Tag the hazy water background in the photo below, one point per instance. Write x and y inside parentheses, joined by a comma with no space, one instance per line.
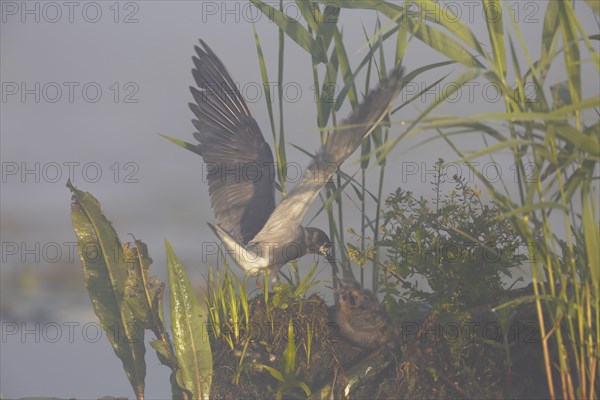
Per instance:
(139,54)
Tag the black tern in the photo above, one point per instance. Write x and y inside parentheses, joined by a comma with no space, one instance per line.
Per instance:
(256,233)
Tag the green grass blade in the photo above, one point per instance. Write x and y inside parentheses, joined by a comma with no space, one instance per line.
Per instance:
(367,60)
(571,47)
(493,18)
(465,77)
(345,69)
(265,77)
(531,207)
(279,151)
(328,92)
(293,30)
(518,76)
(328,25)
(308,13)
(182,143)
(289,355)
(507,144)
(592,239)
(441,14)
(429,35)
(549,39)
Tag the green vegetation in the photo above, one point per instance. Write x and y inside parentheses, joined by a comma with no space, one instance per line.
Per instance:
(127,301)
(554,143)
(458,246)
(553,137)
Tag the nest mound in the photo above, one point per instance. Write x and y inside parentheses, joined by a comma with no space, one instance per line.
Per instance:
(479,356)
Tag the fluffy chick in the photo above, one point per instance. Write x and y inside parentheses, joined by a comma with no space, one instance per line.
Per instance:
(360,317)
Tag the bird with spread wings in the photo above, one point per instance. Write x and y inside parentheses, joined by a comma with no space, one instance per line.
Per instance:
(258,234)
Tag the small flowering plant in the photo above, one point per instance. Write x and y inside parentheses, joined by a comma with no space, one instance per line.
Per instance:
(453,252)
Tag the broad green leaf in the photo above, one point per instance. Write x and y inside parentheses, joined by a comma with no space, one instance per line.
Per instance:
(105,273)
(190,337)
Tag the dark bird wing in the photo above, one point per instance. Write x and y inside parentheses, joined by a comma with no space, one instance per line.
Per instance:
(339,146)
(239,163)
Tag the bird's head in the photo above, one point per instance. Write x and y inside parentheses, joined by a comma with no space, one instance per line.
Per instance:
(354,299)
(318,242)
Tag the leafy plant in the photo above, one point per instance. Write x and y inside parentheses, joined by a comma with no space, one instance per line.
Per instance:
(298,290)
(287,376)
(459,246)
(127,301)
(105,272)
